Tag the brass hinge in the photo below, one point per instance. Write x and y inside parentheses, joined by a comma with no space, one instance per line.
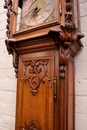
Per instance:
(60,9)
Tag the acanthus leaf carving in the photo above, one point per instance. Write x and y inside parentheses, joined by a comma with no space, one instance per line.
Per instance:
(64,55)
(68,36)
(34,73)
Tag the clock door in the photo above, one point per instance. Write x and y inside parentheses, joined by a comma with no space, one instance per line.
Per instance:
(35,93)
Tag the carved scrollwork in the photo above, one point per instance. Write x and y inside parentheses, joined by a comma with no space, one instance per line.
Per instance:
(11,50)
(68,36)
(33,125)
(34,73)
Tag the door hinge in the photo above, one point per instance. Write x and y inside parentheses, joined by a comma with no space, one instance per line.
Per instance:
(55,87)
(60,9)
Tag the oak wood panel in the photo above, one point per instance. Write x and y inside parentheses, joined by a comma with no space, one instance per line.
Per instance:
(36,108)
(71,96)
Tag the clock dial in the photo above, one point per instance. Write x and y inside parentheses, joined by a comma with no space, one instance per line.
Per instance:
(35,12)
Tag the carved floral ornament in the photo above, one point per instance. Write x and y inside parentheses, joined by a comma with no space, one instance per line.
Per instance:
(68,36)
(33,125)
(34,74)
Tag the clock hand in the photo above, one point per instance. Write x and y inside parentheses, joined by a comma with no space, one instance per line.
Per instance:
(27,14)
(34,11)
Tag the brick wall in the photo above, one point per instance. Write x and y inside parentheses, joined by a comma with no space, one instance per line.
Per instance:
(81,73)
(8,80)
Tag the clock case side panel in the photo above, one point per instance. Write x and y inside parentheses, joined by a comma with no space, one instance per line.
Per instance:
(67,98)
(71,95)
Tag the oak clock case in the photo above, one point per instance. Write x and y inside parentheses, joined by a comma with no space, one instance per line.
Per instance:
(43,57)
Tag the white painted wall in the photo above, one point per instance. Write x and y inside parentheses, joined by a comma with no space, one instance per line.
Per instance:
(81,73)
(8,80)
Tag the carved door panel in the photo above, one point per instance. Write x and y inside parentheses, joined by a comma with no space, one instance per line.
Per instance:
(35,93)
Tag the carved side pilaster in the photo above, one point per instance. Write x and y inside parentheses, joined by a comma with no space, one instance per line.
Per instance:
(65,37)
(68,35)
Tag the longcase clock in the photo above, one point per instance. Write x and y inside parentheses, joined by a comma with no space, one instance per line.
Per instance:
(43,40)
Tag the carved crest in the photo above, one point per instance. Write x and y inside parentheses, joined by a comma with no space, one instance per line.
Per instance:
(34,73)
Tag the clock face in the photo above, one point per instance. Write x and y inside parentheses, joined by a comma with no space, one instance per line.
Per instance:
(35,12)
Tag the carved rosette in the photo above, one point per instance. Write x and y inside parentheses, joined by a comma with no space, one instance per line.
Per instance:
(34,73)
